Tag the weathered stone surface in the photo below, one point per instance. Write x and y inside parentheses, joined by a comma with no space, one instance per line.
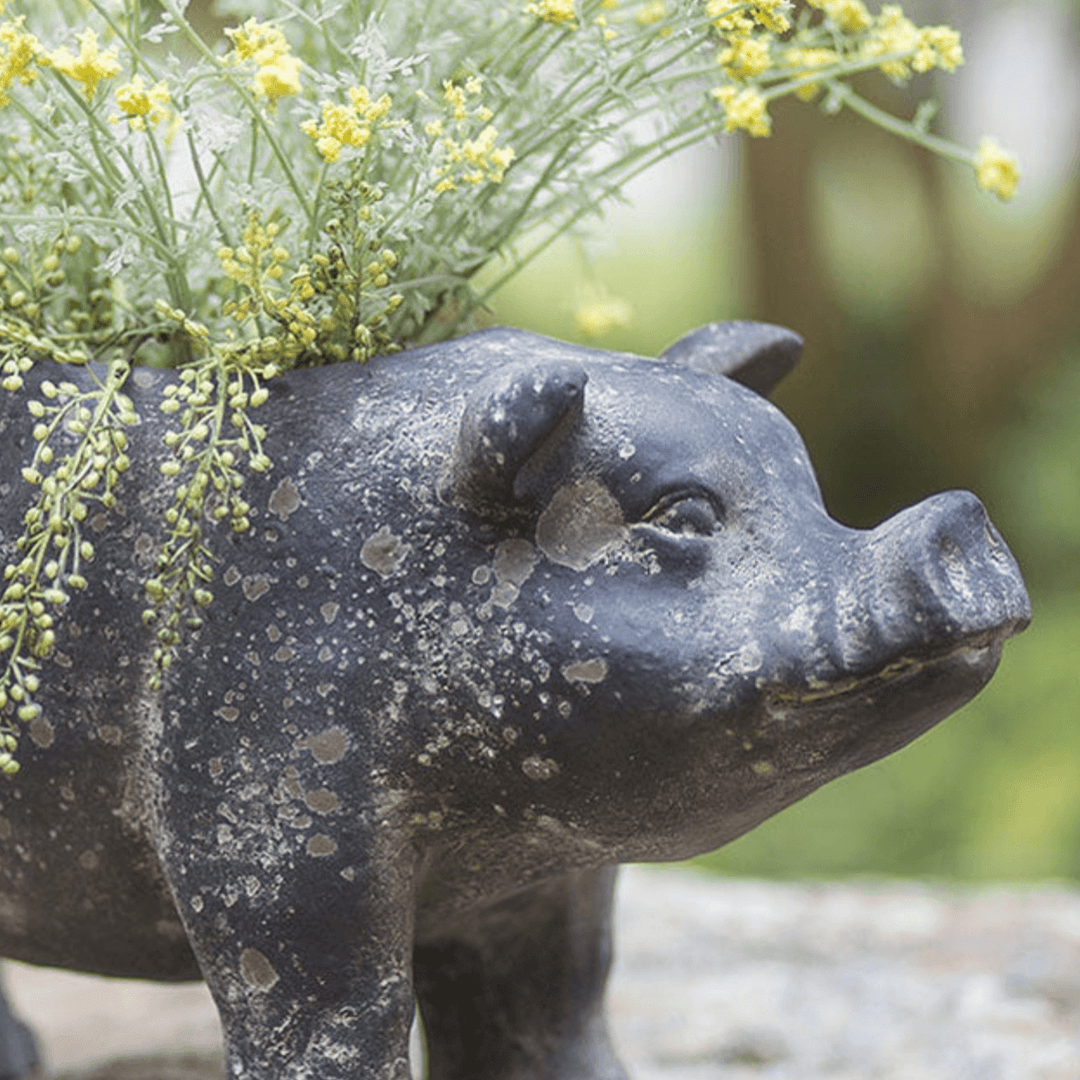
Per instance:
(512,612)
(725,980)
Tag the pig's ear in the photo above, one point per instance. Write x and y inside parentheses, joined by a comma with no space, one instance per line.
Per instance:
(513,419)
(755,354)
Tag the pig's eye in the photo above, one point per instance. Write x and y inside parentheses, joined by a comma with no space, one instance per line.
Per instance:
(690,513)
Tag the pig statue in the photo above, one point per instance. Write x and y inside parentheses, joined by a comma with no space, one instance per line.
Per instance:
(512,612)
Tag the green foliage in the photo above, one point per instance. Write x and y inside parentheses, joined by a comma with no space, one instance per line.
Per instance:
(327,183)
(79,457)
(214,434)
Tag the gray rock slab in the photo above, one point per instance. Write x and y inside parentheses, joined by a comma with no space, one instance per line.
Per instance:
(896,981)
(722,980)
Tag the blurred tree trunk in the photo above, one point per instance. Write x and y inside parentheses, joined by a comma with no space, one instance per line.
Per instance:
(893,412)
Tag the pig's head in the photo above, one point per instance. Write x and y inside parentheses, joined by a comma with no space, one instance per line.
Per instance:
(720,646)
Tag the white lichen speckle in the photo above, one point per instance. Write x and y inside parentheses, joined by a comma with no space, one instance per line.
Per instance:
(321,845)
(383,552)
(581,524)
(586,671)
(285,500)
(257,971)
(538,768)
(329,746)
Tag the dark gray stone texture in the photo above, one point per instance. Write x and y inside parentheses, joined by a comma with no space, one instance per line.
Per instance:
(512,612)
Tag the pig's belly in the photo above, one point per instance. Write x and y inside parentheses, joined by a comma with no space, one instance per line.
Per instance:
(85,894)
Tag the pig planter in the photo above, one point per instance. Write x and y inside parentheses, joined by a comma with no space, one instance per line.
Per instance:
(512,612)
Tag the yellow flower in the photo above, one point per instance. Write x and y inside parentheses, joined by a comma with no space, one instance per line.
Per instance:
(606,32)
(278,78)
(329,148)
(772,14)
(455,97)
(995,170)
(254,39)
(501,157)
(731,22)
(598,317)
(809,58)
(919,50)
(746,57)
(555,12)
(652,12)
(939,47)
(142,107)
(90,66)
(476,151)
(850,16)
(18,50)
(893,33)
(483,160)
(277,71)
(744,109)
(348,125)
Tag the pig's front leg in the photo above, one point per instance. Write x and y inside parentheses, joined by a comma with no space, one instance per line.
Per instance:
(311,971)
(516,993)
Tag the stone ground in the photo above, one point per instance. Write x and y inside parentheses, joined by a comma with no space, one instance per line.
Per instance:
(721,980)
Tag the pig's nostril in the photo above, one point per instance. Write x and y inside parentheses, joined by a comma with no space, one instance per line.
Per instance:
(955,567)
(938,570)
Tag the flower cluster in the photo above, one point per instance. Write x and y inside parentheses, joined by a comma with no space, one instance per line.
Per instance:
(900,47)
(744,109)
(848,38)
(557,12)
(467,160)
(995,170)
(145,106)
(348,125)
(266,49)
(89,66)
(214,434)
(830,41)
(256,266)
(19,49)
(53,552)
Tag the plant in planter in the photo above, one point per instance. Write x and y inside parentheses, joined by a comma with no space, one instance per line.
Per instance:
(458,631)
(323,185)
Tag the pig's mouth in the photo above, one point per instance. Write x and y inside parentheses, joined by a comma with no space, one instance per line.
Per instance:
(978,653)
(856,719)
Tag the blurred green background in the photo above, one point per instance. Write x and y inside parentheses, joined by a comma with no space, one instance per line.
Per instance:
(942,350)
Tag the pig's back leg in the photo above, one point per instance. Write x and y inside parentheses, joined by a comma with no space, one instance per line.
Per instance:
(517,993)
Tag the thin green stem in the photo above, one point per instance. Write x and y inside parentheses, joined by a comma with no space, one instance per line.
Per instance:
(904,128)
(204,192)
(250,104)
(660,149)
(175,278)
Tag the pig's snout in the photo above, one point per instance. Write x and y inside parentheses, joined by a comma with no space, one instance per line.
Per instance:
(937,573)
